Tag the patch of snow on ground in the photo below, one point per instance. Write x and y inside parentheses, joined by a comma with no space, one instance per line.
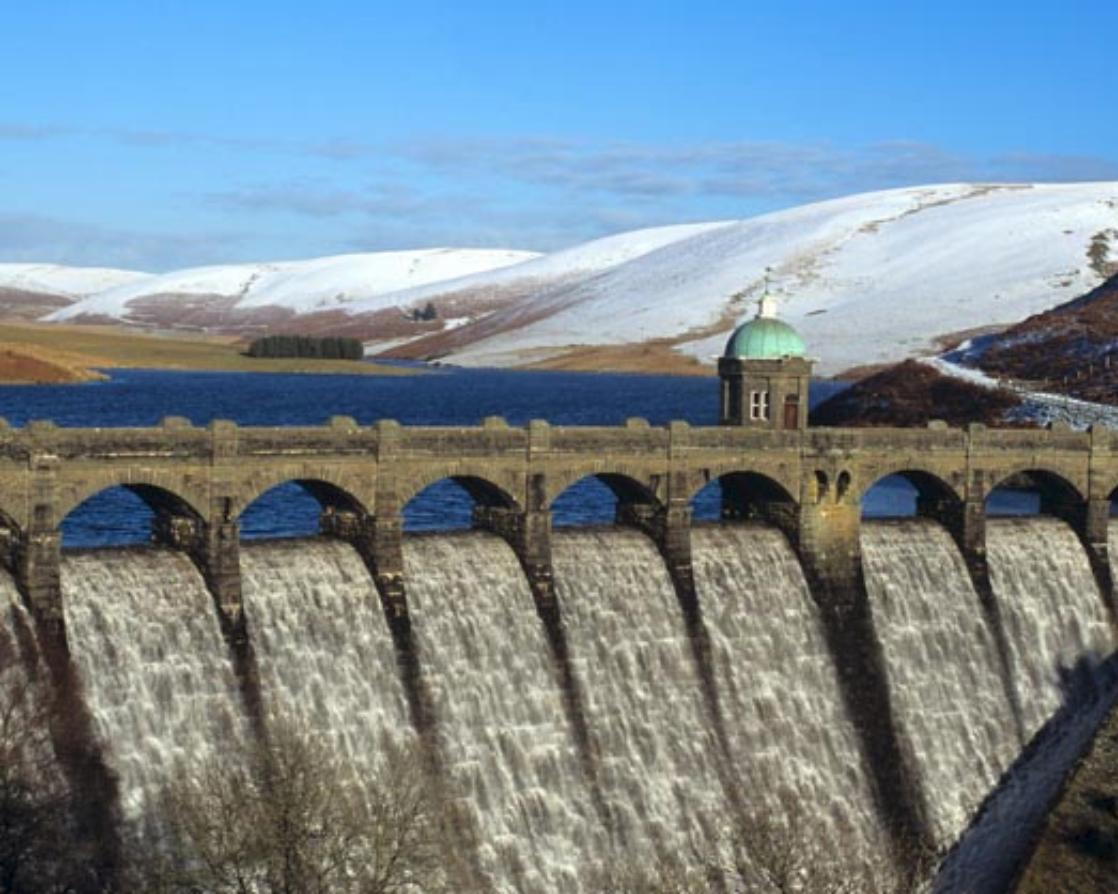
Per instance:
(1041,407)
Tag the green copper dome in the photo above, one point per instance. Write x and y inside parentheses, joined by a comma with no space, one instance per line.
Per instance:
(765,338)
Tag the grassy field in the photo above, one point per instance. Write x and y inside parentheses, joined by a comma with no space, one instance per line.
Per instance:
(80,348)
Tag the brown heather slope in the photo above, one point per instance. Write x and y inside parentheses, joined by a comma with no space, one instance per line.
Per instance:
(84,348)
(657,357)
(1071,349)
(25,305)
(29,364)
(911,394)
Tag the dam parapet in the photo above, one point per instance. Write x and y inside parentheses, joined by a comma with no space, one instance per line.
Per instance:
(809,482)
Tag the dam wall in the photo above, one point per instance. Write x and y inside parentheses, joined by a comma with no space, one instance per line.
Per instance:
(658,727)
(790,678)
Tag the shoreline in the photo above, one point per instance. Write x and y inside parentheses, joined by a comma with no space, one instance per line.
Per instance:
(60,354)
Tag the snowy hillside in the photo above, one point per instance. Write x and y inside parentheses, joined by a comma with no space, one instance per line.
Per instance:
(866,279)
(577,263)
(300,286)
(70,282)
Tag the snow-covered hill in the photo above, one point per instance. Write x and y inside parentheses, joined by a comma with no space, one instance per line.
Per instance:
(530,278)
(300,286)
(866,279)
(67,282)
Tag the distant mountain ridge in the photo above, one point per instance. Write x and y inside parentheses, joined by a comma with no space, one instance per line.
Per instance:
(866,279)
(31,291)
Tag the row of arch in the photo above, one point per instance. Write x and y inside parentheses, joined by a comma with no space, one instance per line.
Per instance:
(121,513)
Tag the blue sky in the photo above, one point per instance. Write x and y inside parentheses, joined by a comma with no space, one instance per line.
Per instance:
(160,134)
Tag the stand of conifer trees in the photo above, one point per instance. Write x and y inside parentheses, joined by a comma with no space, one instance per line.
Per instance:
(326,348)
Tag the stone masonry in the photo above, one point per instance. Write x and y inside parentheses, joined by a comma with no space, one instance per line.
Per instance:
(809,482)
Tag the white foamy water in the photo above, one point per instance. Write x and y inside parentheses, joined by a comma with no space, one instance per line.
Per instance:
(18,669)
(145,638)
(1053,612)
(25,696)
(643,699)
(1054,618)
(945,678)
(790,739)
(160,684)
(503,731)
(325,655)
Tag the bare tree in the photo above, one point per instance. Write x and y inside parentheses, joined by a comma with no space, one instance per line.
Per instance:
(39,848)
(281,818)
(757,855)
(788,855)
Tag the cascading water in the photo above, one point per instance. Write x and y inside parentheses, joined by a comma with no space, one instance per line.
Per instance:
(504,736)
(945,677)
(24,676)
(145,639)
(1058,633)
(323,649)
(1055,619)
(672,742)
(658,755)
(791,744)
(19,670)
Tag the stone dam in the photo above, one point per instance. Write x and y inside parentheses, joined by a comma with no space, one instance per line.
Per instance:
(604,690)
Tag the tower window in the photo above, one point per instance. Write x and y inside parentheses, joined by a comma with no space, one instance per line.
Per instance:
(758,405)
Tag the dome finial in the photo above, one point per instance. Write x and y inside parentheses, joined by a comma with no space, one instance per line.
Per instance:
(766,305)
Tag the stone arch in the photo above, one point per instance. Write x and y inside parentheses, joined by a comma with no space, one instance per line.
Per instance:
(750,482)
(163,496)
(330,489)
(784,475)
(328,494)
(481,489)
(1058,493)
(747,493)
(936,497)
(929,485)
(820,486)
(625,487)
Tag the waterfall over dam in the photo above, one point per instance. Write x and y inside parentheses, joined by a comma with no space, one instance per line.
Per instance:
(502,730)
(790,740)
(324,653)
(623,725)
(153,665)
